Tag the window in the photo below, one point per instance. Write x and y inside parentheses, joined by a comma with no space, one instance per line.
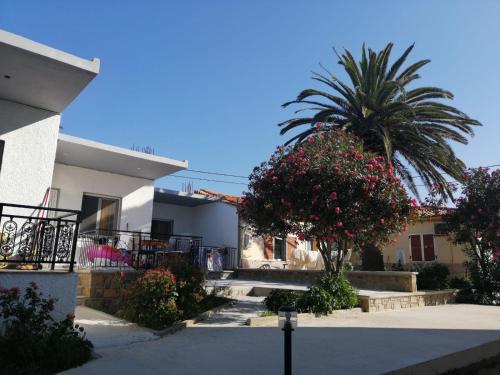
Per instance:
(2,145)
(279,249)
(99,213)
(422,247)
(162,228)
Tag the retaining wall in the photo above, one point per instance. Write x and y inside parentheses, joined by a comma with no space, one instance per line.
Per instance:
(379,280)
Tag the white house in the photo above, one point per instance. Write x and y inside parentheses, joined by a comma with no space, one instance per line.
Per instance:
(41,168)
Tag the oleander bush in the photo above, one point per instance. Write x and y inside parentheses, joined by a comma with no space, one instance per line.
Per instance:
(32,341)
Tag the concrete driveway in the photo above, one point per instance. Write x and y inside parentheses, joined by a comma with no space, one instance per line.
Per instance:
(367,343)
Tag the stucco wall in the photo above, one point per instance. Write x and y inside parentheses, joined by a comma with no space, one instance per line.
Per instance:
(136,193)
(59,285)
(444,249)
(216,222)
(30,137)
(181,215)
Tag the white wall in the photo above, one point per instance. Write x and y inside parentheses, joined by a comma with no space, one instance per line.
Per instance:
(59,285)
(216,222)
(181,215)
(136,193)
(30,137)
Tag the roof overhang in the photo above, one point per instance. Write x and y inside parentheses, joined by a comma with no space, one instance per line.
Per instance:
(40,76)
(83,153)
(181,198)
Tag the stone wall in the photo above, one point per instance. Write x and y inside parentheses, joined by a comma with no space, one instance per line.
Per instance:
(428,298)
(102,285)
(378,280)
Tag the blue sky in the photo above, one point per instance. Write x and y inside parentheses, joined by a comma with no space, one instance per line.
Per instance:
(204,81)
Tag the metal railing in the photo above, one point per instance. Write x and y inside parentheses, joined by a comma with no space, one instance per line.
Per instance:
(121,248)
(216,258)
(33,236)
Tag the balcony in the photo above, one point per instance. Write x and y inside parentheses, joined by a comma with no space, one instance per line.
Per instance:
(143,250)
(35,238)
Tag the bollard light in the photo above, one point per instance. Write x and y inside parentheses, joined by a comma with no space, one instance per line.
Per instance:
(287,321)
(287,315)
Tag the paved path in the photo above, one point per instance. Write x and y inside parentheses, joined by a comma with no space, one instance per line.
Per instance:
(368,343)
(106,330)
(237,314)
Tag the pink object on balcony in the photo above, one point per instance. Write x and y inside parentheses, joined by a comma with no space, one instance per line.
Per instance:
(107,252)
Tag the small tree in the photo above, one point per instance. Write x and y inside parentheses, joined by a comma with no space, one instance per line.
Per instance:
(475,223)
(327,189)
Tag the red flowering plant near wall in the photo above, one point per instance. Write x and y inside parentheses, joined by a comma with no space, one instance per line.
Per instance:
(327,189)
(475,223)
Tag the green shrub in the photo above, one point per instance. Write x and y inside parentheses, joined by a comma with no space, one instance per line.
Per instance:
(328,294)
(372,259)
(32,341)
(433,277)
(189,286)
(460,283)
(281,297)
(151,300)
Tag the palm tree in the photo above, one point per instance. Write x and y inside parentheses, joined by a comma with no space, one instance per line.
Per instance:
(412,128)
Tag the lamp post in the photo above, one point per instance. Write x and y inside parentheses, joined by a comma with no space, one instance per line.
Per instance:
(287,321)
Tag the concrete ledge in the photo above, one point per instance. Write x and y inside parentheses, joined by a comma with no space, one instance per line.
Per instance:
(452,361)
(272,321)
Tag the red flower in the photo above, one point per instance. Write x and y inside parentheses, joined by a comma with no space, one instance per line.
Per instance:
(333,195)
(70,316)
(14,290)
(414,203)
(274,178)
(337,210)
(339,224)
(122,275)
(301,236)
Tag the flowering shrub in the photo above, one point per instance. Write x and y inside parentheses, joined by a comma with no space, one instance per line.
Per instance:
(475,223)
(189,286)
(328,189)
(150,301)
(31,341)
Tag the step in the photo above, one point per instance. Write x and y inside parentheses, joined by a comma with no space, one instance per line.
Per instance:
(224,275)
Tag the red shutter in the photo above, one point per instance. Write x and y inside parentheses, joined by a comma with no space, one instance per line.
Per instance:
(268,247)
(429,247)
(416,248)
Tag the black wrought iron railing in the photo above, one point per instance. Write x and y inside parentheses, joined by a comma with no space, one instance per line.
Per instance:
(121,248)
(34,237)
(216,258)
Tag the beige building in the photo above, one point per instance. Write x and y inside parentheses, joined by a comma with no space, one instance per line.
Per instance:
(426,241)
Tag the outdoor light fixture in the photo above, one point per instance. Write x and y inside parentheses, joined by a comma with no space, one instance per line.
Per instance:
(287,321)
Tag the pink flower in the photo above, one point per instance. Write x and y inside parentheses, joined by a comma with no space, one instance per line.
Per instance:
(348,234)
(382,221)
(333,195)
(337,210)
(339,224)
(274,178)
(122,275)
(414,203)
